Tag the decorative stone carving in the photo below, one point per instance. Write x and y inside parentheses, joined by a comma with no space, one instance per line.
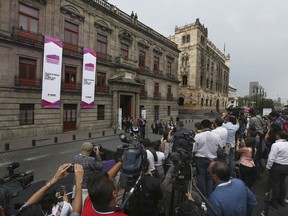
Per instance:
(72,12)
(143,44)
(103,26)
(157,51)
(126,36)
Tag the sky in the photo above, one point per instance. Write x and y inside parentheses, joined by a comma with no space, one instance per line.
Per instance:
(255,34)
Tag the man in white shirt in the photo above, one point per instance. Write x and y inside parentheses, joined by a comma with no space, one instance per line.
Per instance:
(205,149)
(277,164)
(220,130)
(151,156)
(232,126)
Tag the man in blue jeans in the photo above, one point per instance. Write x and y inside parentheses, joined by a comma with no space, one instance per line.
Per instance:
(232,126)
(205,149)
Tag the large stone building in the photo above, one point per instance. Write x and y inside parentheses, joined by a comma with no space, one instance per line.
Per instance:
(203,71)
(136,67)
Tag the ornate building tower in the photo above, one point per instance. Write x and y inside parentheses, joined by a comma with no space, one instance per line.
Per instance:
(203,71)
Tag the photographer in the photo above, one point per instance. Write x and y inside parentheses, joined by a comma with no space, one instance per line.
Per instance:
(39,205)
(90,164)
(232,127)
(205,149)
(177,135)
(102,194)
(172,190)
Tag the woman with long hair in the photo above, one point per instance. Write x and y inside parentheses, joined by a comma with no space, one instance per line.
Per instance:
(248,171)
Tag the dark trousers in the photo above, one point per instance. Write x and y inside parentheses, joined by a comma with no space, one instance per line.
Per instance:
(247,175)
(204,181)
(277,176)
(142,132)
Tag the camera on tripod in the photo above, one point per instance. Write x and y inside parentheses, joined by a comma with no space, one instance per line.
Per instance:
(133,142)
(183,159)
(12,184)
(25,178)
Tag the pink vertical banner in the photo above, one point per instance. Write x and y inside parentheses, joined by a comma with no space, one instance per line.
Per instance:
(88,78)
(51,81)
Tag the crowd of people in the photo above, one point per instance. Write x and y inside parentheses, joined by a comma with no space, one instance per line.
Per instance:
(226,157)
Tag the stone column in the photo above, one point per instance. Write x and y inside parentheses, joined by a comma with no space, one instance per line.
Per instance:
(114,108)
(137,104)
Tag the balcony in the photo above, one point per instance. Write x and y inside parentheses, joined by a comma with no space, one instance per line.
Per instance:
(144,69)
(169,96)
(72,49)
(26,36)
(71,87)
(27,83)
(158,72)
(102,90)
(157,95)
(103,57)
(127,62)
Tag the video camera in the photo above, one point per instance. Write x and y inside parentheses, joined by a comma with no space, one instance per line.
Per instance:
(25,178)
(12,184)
(183,159)
(133,142)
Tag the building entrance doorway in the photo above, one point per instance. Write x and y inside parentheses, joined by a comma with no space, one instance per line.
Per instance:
(125,104)
(69,117)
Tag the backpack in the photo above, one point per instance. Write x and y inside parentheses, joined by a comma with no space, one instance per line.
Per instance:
(134,161)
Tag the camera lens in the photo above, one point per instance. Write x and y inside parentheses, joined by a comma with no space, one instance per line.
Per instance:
(71,169)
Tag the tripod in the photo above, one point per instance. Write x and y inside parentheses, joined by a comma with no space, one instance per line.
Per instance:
(129,192)
(179,189)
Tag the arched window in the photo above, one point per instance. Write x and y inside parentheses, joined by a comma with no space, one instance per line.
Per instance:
(181,101)
(202,101)
(188,38)
(206,102)
(184,80)
(185,60)
(183,39)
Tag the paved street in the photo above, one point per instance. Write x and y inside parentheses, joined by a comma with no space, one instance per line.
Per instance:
(45,160)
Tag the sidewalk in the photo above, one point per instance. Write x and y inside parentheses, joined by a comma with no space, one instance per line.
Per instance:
(29,142)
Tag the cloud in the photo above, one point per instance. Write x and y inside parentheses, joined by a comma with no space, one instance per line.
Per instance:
(254,32)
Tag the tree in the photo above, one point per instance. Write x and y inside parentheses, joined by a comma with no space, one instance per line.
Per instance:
(250,101)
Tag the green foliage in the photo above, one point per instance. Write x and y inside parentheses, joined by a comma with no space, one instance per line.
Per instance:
(256,102)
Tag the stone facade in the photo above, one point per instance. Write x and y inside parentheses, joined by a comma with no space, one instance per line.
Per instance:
(203,71)
(124,78)
(233,98)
